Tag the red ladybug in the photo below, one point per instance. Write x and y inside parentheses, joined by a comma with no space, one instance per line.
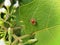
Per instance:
(33,21)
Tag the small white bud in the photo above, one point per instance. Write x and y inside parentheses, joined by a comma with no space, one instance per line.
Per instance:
(16,4)
(7,3)
(2,42)
(32,40)
(2,10)
(9,28)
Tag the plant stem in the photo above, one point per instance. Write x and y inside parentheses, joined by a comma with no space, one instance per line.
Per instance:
(10,35)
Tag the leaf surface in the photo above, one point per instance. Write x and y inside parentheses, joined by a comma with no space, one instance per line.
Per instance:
(45,12)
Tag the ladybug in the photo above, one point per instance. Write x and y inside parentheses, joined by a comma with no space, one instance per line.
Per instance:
(33,21)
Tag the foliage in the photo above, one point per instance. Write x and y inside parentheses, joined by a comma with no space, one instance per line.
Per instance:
(45,28)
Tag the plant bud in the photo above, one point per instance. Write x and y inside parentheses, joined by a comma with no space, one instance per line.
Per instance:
(31,41)
(2,42)
(2,10)
(7,3)
(16,4)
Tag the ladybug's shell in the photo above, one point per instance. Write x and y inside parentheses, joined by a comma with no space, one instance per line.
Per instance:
(33,21)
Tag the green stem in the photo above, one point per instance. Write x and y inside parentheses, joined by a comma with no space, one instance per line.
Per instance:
(9,29)
(4,35)
(10,35)
(7,14)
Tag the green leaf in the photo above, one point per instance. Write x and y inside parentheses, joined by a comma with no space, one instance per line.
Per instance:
(25,1)
(45,12)
(47,15)
(1,1)
(48,36)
